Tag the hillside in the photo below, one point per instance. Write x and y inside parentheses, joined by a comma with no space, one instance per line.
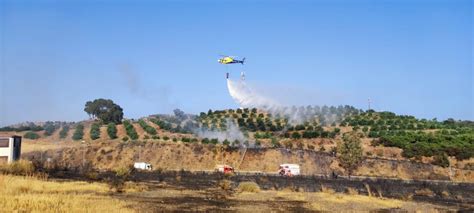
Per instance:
(385,136)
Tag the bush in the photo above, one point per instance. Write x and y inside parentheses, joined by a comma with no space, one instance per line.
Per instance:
(31,135)
(296,135)
(275,143)
(131,132)
(441,160)
(63,132)
(125,139)
(78,133)
(225,185)
(112,130)
(117,182)
(95,131)
(248,187)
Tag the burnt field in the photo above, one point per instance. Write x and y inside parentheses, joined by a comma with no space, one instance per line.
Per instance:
(458,195)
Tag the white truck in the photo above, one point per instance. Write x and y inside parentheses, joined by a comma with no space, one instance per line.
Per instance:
(289,169)
(142,166)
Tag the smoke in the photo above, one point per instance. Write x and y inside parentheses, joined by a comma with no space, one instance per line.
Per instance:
(231,133)
(151,95)
(248,97)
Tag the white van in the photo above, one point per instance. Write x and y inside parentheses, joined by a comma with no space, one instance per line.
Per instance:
(142,166)
(289,169)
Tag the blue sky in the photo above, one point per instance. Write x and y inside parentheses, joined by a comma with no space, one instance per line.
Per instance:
(409,57)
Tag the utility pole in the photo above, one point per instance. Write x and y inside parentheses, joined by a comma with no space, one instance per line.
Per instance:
(368,100)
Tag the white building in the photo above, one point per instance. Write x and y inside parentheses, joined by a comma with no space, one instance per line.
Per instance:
(10,149)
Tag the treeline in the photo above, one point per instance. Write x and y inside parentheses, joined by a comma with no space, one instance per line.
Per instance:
(131,132)
(417,144)
(149,129)
(30,127)
(377,122)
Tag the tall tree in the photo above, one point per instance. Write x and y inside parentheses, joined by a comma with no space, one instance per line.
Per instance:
(105,110)
(350,152)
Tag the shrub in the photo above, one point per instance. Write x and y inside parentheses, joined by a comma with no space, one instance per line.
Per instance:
(117,182)
(125,139)
(275,143)
(441,160)
(78,133)
(226,142)
(225,185)
(248,187)
(131,132)
(95,131)
(112,130)
(31,135)
(296,135)
(63,132)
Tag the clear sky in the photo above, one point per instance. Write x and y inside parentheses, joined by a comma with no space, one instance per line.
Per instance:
(409,57)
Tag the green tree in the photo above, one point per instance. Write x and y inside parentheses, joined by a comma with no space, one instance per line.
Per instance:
(112,131)
(105,110)
(149,129)
(49,128)
(95,131)
(78,133)
(63,132)
(131,132)
(350,152)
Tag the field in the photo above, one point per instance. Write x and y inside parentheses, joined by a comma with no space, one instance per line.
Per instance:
(31,194)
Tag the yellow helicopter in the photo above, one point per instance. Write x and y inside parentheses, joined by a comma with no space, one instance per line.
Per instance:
(230,60)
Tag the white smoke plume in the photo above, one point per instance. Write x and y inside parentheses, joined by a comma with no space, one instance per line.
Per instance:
(246,97)
(231,133)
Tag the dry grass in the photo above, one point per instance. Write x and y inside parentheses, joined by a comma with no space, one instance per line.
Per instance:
(248,187)
(352,191)
(27,194)
(425,192)
(21,167)
(325,189)
(326,201)
(225,185)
